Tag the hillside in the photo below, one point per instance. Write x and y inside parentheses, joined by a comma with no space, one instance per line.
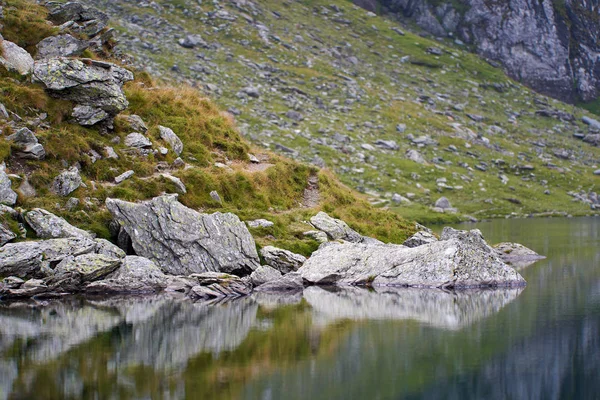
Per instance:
(389,111)
(69,169)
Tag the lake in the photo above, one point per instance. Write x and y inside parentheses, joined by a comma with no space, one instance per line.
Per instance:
(537,342)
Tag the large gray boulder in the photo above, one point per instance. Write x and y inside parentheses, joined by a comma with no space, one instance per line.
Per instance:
(182,241)
(264,274)
(458,262)
(7,195)
(60,46)
(85,267)
(282,260)
(49,226)
(15,58)
(66,182)
(30,259)
(134,275)
(90,83)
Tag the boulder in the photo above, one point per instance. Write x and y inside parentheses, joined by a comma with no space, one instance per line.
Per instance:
(15,58)
(7,195)
(595,124)
(66,182)
(29,288)
(105,247)
(415,156)
(179,185)
(282,260)
(182,241)
(87,267)
(88,116)
(124,176)
(6,235)
(458,262)
(95,84)
(420,238)
(26,259)
(516,254)
(88,20)
(218,285)
(260,223)
(134,275)
(337,229)
(60,46)
(291,282)
(443,203)
(264,274)
(49,226)
(137,141)
(27,145)
(171,138)
(136,123)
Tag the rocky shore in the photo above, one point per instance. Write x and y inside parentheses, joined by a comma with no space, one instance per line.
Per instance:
(165,246)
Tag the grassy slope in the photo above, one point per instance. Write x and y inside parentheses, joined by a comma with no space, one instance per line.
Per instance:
(209,136)
(388,90)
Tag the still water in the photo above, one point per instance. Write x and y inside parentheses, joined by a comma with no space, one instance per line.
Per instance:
(537,342)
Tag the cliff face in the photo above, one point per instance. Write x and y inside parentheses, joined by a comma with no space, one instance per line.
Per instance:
(549,45)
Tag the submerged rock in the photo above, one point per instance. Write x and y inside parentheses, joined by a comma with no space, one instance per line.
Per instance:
(456,262)
(182,241)
(516,254)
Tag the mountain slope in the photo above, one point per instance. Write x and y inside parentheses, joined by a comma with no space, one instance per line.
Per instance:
(329,83)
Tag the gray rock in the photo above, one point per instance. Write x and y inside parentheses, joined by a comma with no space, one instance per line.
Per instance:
(264,274)
(66,182)
(106,248)
(282,260)
(29,288)
(401,128)
(89,83)
(136,123)
(26,259)
(182,241)
(88,116)
(335,228)
(218,285)
(418,239)
(399,199)
(60,46)
(294,115)
(7,195)
(215,196)
(73,272)
(291,282)
(137,141)
(415,156)
(457,262)
(124,176)
(516,254)
(176,181)
(171,138)
(111,153)
(134,275)
(593,123)
(597,172)
(387,144)
(443,203)
(27,145)
(49,226)
(191,41)
(260,223)
(6,235)
(14,58)
(26,189)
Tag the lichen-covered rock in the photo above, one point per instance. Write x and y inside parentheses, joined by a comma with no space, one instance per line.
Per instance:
(137,141)
(420,238)
(66,182)
(135,275)
(49,226)
(217,285)
(105,247)
(15,58)
(86,82)
(88,116)
(171,138)
(182,241)
(282,260)
(291,282)
(460,261)
(264,274)
(26,259)
(60,46)
(7,195)
(73,272)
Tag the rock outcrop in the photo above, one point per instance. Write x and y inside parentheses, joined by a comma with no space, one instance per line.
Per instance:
(182,241)
(456,262)
(96,85)
(551,46)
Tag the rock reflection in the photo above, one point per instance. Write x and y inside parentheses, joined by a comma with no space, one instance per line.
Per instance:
(438,308)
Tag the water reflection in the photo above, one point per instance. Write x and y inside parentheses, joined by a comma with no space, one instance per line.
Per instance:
(438,308)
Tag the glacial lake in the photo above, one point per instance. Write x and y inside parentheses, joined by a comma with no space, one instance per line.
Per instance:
(537,342)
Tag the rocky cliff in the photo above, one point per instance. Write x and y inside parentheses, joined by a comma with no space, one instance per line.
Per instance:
(549,45)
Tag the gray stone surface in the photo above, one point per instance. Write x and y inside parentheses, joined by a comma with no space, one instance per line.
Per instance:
(137,140)
(134,275)
(291,282)
(66,182)
(182,241)
(264,274)
(260,223)
(7,195)
(78,270)
(15,58)
(49,226)
(420,238)
(282,260)
(465,261)
(88,116)
(171,138)
(214,285)
(336,229)
(60,46)
(136,123)
(443,203)
(26,259)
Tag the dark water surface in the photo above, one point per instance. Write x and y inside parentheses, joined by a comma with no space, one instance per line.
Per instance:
(537,342)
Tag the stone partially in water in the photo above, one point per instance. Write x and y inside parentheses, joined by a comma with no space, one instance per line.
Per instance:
(134,275)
